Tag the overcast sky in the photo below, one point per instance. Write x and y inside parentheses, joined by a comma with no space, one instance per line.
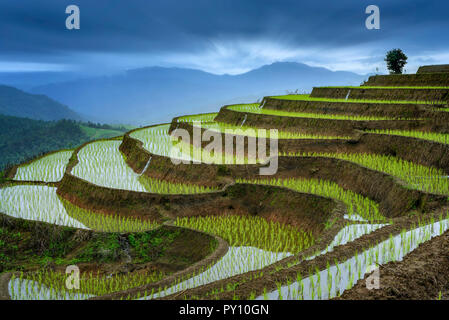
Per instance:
(219,36)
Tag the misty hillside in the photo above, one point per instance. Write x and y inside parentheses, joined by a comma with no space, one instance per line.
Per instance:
(14,102)
(28,80)
(157,94)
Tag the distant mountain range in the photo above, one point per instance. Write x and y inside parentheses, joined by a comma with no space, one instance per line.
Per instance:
(156,94)
(15,102)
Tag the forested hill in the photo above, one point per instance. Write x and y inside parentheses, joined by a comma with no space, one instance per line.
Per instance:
(22,139)
(15,102)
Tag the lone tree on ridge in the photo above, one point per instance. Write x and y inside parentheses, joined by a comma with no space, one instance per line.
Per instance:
(396,60)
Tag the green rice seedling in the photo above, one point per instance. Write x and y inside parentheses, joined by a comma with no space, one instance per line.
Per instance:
(108,223)
(102,163)
(200,155)
(157,141)
(49,168)
(164,187)
(237,260)
(307,97)
(252,231)
(41,203)
(254,108)
(90,284)
(279,285)
(256,132)
(357,204)
(202,117)
(430,136)
(419,177)
(37,203)
(387,88)
(355,266)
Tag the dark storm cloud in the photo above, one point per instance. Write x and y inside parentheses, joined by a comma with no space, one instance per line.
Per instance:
(35,31)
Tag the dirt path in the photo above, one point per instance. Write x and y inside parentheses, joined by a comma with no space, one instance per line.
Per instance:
(422,275)
(4,283)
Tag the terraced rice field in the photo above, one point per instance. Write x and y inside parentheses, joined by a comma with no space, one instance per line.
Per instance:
(102,164)
(38,203)
(252,253)
(419,177)
(358,206)
(430,136)
(205,117)
(50,285)
(158,141)
(155,139)
(261,133)
(333,281)
(253,232)
(255,108)
(392,87)
(49,168)
(307,97)
(41,203)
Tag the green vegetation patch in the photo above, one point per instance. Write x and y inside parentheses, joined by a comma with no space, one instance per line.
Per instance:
(27,244)
(23,139)
(431,136)
(252,231)
(149,246)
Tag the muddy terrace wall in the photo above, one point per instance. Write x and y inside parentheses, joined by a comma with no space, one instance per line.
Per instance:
(317,126)
(411,80)
(163,168)
(394,198)
(427,153)
(284,145)
(305,210)
(273,203)
(433,68)
(382,94)
(422,275)
(394,110)
(266,201)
